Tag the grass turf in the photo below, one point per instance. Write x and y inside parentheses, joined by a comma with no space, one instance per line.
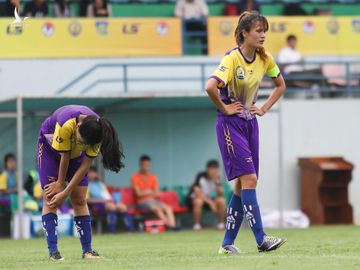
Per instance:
(335,247)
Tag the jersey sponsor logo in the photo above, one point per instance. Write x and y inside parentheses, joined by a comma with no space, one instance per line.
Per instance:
(162,28)
(249,159)
(225,28)
(48,29)
(223,68)
(51,178)
(240,73)
(59,139)
(333,26)
(102,28)
(75,28)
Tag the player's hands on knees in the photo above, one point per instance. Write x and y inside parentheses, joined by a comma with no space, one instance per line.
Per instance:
(233,108)
(57,200)
(53,188)
(256,110)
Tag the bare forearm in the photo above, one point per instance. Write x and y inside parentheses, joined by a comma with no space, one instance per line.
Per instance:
(215,98)
(274,97)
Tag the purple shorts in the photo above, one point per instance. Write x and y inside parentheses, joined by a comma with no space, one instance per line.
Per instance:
(48,161)
(238,141)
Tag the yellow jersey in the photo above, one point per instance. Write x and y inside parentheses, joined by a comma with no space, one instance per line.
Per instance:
(239,79)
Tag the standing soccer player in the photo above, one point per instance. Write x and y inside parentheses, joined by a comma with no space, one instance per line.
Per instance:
(68,142)
(237,79)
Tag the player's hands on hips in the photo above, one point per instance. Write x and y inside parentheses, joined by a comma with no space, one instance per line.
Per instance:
(57,200)
(52,189)
(233,108)
(256,110)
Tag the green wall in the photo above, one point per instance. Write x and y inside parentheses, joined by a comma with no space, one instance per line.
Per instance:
(179,142)
(216,9)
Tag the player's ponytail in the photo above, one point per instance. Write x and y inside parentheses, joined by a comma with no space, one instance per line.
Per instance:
(111,149)
(96,130)
(246,21)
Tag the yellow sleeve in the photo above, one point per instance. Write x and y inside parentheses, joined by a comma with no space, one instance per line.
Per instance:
(224,72)
(93,151)
(37,191)
(3,181)
(272,70)
(62,136)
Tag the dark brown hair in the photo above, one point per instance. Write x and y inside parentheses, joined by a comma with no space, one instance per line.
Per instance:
(96,130)
(246,21)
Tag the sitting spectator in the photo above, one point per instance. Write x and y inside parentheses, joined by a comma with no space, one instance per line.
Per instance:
(36,8)
(207,192)
(146,188)
(33,186)
(100,8)
(235,9)
(248,5)
(194,13)
(289,55)
(8,185)
(62,8)
(100,199)
(9,8)
(294,9)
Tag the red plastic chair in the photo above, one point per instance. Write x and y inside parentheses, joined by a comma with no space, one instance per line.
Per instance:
(171,198)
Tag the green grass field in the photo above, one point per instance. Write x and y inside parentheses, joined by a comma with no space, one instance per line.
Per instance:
(317,248)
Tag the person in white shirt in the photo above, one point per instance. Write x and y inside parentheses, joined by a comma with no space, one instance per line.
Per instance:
(194,13)
(289,55)
(191,9)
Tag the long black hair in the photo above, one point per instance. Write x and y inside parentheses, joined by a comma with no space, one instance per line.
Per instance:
(94,130)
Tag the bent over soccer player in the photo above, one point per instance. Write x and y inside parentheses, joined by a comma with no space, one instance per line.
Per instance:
(238,78)
(69,139)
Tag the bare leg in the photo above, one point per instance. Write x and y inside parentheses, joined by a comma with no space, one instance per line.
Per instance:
(197,210)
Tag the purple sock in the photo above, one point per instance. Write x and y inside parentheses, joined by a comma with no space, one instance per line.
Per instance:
(111,219)
(50,221)
(128,220)
(235,215)
(252,213)
(83,227)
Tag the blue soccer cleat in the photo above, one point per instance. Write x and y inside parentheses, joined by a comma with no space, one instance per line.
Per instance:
(271,243)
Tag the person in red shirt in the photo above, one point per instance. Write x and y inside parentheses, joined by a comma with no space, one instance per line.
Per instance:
(146,188)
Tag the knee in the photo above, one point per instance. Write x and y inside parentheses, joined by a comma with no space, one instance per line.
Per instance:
(110,206)
(248,181)
(168,209)
(220,201)
(121,207)
(78,201)
(198,202)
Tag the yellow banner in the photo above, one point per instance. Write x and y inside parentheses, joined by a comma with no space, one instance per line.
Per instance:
(316,35)
(63,38)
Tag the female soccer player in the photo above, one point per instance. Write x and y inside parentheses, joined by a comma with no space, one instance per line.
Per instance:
(237,78)
(69,139)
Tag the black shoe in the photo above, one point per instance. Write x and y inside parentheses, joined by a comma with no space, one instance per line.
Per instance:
(271,243)
(174,229)
(92,255)
(56,256)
